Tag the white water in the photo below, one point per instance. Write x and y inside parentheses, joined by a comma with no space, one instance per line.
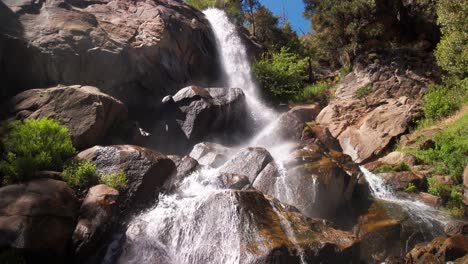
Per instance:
(429,217)
(200,222)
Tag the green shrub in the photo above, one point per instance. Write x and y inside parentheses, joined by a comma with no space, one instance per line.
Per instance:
(80,174)
(117,180)
(450,154)
(282,74)
(317,92)
(455,203)
(411,188)
(34,145)
(396,168)
(363,92)
(441,101)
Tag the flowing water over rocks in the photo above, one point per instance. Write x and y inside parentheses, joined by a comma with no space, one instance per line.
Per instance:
(213,215)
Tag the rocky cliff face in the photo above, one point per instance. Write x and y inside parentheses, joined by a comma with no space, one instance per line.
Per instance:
(136,51)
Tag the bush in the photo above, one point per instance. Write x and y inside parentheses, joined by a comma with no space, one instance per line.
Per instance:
(80,175)
(316,92)
(451,195)
(450,154)
(411,188)
(34,145)
(282,74)
(396,168)
(443,100)
(363,92)
(117,180)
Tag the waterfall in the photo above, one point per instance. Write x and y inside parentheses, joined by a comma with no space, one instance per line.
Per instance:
(236,64)
(200,221)
(429,217)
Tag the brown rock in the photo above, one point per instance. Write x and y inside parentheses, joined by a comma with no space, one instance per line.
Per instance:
(306,113)
(456,227)
(88,113)
(95,215)
(465,182)
(37,216)
(396,157)
(136,51)
(401,180)
(146,171)
(441,249)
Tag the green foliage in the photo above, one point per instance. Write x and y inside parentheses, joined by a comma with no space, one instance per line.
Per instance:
(117,180)
(345,70)
(282,74)
(451,195)
(450,154)
(317,92)
(452,51)
(443,100)
(363,92)
(411,188)
(389,168)
(34,145)
(80,175)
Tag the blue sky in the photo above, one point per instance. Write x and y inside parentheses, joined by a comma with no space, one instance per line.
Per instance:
(294,9)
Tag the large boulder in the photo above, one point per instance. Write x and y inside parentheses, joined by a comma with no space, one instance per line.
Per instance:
(246,226)
(88,113)
(136,51)
(249,162)
(211,154)
(313,181)
(95,219)
(440,250)
(146,171)
(210,112)
(38,216)
(396,85)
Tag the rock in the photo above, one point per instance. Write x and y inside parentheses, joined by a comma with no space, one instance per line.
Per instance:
(366,127)
(387,230)
(146,171)
(456,227)
(210,112)
(233,181)
(88,113)
(249,162)
(427,198)
(136,51)
(210,154)
(396,157)
(320,135)
(37,216)
(444,180)
(440,250)
(401,180)
(185,165)
(314,183)
(257,228)
(94,220)
(372,134)
(306,113)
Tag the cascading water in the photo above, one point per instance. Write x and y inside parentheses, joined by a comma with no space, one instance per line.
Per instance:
(430,218)
(200,221)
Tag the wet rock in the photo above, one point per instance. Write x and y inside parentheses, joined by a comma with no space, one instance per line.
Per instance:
(185,165)
(387,230)
(95,218)
(306,113)
(396,157)
(427,198)
(313,182)
(456,227)
(136,51)
(320,135)
(209,112)
(439,250)
(401,180)
(233,181)
(249,162)
(145,169)
(37,216)
(88,113)
(211,154)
